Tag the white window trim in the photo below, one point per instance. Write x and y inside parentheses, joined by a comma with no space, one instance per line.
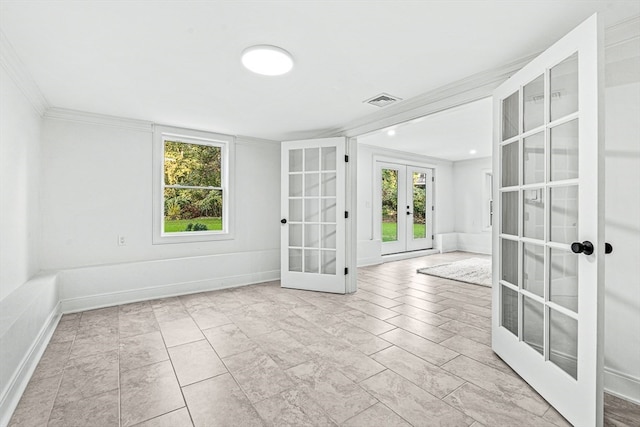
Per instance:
(227,142)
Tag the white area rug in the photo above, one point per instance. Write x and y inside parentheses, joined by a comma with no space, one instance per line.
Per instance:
(476,271)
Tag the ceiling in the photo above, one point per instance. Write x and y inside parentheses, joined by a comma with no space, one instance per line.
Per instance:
(178,62)
(450,134)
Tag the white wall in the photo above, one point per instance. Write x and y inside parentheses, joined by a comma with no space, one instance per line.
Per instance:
(468,198)
(28,304)
(97,185)
(20,126)
(369,249)
(622,219)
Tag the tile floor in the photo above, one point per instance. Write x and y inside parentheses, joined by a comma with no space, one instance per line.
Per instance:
(406,349)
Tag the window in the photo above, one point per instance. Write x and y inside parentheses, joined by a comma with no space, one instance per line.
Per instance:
(192,188)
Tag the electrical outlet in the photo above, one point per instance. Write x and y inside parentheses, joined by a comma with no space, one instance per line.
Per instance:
(122,241)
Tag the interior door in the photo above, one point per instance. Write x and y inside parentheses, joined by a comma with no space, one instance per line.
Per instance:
(406,207)
(313,215)
(548,245)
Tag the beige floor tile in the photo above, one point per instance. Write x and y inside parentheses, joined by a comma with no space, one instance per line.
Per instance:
(477,351)
(364,341)
(219,401)
(178,418)
(463,296)
(284,349)
(66,329)
(88,376)
(169,310)
(100,317)
(36,403)
(351,362)
(340,397)
(135,307)
(257,374)
(95,344)
(377,415)
(292,408)
(421,304)
(428,350)
(100,410)
(471,308)
(366,322)
(413,403)
(228,340)
(208,317)
(372,309)
(195,361)
(428,377)
(554,417)
(147,392)
(621,412)
(380,290)
(424,330)
(142,350)
(180,331)
(479,335)
(372,297)
(509,388)
(421,315)
(490,410)
(464,316)
(413,292)
(53,360)
(133,323)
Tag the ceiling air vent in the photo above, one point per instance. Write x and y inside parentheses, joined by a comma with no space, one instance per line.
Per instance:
(382,100)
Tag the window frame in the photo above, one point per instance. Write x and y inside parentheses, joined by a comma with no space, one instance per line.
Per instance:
(163,133)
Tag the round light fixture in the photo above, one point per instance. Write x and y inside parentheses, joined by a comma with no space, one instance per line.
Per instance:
(472,151)
(267,60)
(391,132)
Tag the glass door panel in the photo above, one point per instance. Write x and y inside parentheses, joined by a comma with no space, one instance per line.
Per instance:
(419,180)
(389,205)
(313,239)
(547,299)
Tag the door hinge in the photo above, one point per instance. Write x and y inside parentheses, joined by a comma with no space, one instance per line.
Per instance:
(346,158)
(432,237)
(346,271)
(433,179)
(433,208)
(346,214)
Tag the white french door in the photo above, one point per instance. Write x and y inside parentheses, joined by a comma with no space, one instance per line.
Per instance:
(313,234)
(405,206)
(548,242)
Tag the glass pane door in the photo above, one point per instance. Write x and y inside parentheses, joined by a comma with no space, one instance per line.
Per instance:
(546,299)
(313,197)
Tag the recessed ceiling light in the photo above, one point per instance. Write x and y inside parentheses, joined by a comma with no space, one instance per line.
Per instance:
(472,152)
(267,60)
(391,132)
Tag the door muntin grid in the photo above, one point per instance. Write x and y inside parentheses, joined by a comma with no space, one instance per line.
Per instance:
(313,218)
(539,214)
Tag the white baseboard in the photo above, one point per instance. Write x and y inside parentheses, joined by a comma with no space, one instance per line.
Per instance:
(408,255)
(91,302)
(20,379)
(622,385)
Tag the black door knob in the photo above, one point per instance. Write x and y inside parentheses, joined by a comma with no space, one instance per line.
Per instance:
(585,247)
(608,248)
(283,220)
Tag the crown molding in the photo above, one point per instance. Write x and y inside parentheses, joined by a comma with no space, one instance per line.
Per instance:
(17,71)
(241,139)
(463,91)
(98,119)
(622,31)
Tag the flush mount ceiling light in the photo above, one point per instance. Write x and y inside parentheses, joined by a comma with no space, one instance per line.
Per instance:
(472,151)
(267,60)
(391,132)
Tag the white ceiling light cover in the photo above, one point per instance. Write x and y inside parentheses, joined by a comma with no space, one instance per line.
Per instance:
(267,60)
